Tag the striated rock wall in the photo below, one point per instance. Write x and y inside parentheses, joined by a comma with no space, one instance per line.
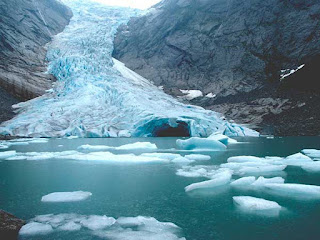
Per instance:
(236,50)
(25,28)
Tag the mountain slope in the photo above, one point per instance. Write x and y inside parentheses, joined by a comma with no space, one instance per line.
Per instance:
(26,26)
(97,96)
(233,49)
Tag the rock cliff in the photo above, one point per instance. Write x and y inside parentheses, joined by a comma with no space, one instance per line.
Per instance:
(25,28)
(238,50)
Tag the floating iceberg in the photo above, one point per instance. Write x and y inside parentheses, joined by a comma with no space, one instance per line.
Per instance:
(131,146)
(311,167)
(255,204)
(97,96)
(241,159)
(35,228)
(133,228)
(219,180)
(95,222)
(66,196)
(222,138)
(196,143)
(7,154)
(198,157)
(166,156)
(294,190)
(261,181)
(313,153)
(244,181)
(261,170)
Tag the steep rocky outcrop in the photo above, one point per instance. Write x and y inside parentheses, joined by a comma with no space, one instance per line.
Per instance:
(9,226)
(236,50)
(26,26)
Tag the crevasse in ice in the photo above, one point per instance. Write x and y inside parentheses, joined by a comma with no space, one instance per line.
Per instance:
(97,96)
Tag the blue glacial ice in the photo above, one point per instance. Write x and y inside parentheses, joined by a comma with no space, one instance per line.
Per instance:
(97,96)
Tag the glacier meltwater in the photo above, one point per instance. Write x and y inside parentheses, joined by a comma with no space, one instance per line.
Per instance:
(97,96)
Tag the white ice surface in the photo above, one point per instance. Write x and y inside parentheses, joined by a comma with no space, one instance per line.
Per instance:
(255,204)
(196,143)
(123,228)
(35,228)
(313,153)
(131,146)
(7,154)
(244,181)
(198,157)
(66,196)
(218,180)
(294,190)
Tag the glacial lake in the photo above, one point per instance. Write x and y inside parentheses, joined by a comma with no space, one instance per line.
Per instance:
(154,190)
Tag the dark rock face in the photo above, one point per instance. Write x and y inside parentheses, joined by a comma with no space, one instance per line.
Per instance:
(235,49)
(9,226)
(25,27)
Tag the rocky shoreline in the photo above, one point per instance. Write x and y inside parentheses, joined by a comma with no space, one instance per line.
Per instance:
(9,226)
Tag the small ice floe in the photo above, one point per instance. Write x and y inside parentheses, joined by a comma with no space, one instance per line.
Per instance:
(196,143)
(313,153)
(252,183)
(222,138)
(103,226)
(220,179)
(166,156)
(261,170)
(294,190)
(311,167)
(242,159)
(191,94)
(297,159)
(253,204)
(66,196)
(7,154)
(244,181)
(35,228)
(3,146)
(198,157)
(182,160)
(95,222)
(197,171)
(131,146)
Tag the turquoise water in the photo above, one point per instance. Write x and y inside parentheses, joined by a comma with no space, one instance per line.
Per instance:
(153,189)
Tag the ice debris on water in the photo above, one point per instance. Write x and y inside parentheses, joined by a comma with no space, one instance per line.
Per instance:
(131,146)
(196,143)
(313,153)
(133,228)
(66,196)
(294,190)
(218,180)
(249,203)
(97,96)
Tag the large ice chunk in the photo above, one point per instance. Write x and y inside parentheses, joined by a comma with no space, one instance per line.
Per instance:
(7,154)
(244,181)
(196,143)
(261,170)
(255,204)
(294,190)
(95,222)
(219,180)
(66,196)
(35,228)
(313,153)
(198,157)
(131,146)
(133,228)
(222,138)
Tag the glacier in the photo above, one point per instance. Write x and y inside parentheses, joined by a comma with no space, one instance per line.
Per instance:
(97,96)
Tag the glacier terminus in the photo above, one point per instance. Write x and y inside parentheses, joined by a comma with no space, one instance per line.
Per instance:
(97,96)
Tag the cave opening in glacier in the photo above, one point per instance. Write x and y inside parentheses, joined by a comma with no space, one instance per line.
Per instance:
(181,129)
